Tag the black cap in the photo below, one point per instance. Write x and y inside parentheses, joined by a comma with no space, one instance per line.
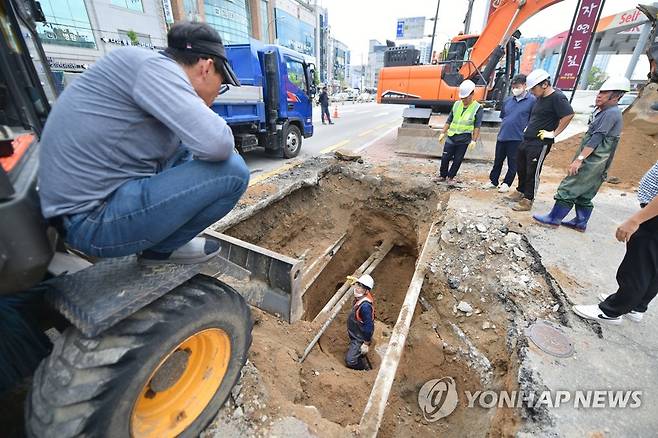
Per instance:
(201,39)
(519,79)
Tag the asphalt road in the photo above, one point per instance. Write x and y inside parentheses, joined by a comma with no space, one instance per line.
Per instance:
(358,125)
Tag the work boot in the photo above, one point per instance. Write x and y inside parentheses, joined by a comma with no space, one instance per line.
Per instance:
(515,197)
(579,223)
(523,205)
(554,218)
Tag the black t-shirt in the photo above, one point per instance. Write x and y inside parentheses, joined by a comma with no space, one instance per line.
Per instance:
(546,114)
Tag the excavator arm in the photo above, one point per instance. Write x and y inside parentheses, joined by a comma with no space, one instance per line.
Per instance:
(504,21)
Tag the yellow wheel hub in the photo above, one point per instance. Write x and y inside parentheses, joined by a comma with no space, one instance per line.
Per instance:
(182,385)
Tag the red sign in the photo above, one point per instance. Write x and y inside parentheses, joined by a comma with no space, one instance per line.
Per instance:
(578,43)
(493,5)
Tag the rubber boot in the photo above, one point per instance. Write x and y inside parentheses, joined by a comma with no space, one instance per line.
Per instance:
(579,223)
(554,218)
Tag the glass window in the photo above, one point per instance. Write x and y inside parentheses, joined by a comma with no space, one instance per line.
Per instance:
(134,5)
(296,73)
(67,24)
(230,18)
(294,33)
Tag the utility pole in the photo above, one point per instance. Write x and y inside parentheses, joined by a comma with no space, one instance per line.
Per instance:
(467,20)
(436,18)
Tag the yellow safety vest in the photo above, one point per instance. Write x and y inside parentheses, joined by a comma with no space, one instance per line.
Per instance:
(463,121)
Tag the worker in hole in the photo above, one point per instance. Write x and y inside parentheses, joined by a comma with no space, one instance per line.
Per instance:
(590,165)
(460,132)
(132,158)
(361,324)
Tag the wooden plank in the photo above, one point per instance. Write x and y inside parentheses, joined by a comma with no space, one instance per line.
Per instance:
(374,411)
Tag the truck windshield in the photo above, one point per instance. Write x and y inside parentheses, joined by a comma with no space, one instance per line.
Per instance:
(296,73)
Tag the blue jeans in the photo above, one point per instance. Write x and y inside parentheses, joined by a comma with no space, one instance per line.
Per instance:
(161,212)
(504,150)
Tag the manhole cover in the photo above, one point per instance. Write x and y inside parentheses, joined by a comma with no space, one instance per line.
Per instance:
(549,339)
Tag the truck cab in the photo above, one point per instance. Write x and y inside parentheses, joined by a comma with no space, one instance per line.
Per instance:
(272,109)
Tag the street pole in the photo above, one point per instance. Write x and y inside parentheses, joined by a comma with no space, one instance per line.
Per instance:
(467,20)
(436,18)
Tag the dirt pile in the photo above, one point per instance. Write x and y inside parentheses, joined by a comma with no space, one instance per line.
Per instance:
(638,146)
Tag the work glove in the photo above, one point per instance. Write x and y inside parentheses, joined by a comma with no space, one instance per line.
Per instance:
(442,137)
(471,145)
(544,134)
(364,349)
(351,279)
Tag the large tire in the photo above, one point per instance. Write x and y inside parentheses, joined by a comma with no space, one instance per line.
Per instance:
(100,386)
(292,141)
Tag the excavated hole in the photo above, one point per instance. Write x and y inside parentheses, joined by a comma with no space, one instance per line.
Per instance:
(304,225)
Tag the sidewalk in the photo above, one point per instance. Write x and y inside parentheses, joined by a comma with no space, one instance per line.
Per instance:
(624,357)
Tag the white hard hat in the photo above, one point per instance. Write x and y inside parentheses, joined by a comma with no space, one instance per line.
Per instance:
(616,83)
(367,281)
(536,77)
(466,88)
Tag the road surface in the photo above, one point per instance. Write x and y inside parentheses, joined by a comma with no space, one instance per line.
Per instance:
(359,125)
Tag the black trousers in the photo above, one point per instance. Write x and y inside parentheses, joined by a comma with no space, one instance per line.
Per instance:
(325,112)
(529,161)
(353,358)
(505,150)
(637,275)
(452,152)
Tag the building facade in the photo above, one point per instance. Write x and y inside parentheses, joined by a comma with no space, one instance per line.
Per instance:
(375,63)
(78,32)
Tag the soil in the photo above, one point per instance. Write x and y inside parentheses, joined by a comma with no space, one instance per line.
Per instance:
(369,205)
(636,153)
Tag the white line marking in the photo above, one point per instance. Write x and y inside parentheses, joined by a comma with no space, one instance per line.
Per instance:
(376,139)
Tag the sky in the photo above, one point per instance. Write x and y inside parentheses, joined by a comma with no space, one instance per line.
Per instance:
(355,22)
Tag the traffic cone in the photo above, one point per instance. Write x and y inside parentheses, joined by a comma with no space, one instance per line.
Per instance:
(336,116)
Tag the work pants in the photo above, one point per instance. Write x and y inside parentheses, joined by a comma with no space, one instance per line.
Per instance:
(637,275)
(452,152)
(529,161)
(325,113)
(354,359)
(505,150)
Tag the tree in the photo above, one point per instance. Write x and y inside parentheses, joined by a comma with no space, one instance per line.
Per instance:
(132,36)
(595,78)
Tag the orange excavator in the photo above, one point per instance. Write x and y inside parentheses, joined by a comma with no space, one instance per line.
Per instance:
(475,57)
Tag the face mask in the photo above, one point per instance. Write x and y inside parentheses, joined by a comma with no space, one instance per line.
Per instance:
(517,91)
(358,293)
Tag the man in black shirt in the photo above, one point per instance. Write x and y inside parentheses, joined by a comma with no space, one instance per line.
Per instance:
(324,106)
(550,116)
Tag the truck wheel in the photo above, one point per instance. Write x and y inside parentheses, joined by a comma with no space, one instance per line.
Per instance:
(292,142)
(165,371)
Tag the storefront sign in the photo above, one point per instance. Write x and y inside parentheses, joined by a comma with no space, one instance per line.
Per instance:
(168,14)
(578,42)
(120,42)
(64,64)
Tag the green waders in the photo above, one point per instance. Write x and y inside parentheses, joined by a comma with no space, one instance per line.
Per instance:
(580,189)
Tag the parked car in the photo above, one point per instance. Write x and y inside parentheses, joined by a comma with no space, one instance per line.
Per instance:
(627,100)
(365,97)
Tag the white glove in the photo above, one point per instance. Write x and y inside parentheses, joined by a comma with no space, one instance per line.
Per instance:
(442,137)
(543,134)
(364,349)
(471,145)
